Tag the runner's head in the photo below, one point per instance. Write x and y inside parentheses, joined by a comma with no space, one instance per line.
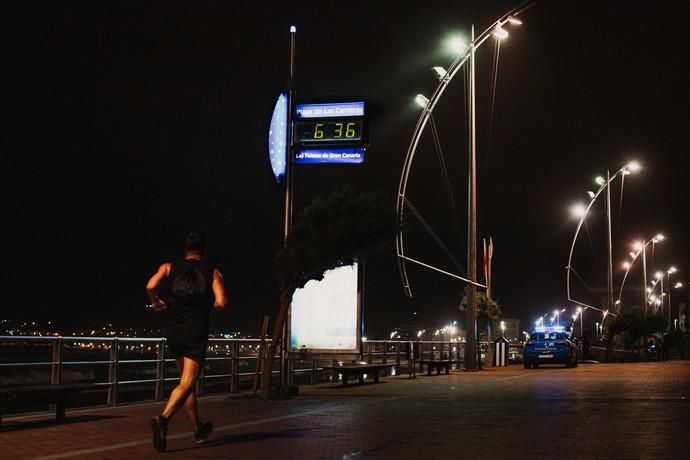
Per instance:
(195,242)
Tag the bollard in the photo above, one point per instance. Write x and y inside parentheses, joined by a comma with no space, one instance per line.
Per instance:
(500,352)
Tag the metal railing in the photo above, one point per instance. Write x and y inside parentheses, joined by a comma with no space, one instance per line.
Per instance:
(130,369)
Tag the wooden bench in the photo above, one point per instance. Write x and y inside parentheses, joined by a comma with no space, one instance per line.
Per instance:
(359,369)
(436,363)
(57,394)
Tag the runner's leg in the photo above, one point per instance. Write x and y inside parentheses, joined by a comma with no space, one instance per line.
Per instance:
(189,371)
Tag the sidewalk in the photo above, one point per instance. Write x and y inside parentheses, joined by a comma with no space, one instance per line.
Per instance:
(593,411)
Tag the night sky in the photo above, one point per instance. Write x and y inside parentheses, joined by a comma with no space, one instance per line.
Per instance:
(133,121)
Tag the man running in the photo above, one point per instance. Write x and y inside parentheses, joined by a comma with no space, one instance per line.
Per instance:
(190,288)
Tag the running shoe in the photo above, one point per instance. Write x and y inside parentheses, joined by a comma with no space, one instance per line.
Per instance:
(202,432)
(159,426)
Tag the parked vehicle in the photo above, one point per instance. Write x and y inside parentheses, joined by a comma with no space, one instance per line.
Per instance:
(549,345)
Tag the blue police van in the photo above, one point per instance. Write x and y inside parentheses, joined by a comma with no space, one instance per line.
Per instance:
(549,345)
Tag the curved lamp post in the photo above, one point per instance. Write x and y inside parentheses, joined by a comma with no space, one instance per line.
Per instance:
(639,247)
(445,76)
(468,55)
(581,211)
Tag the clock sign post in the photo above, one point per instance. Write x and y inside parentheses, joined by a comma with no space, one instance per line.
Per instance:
(312,134)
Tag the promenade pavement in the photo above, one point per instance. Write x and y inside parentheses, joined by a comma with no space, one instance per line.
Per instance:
(590,412)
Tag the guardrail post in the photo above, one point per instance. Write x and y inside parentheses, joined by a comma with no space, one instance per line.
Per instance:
(290,369)
(160,370)
(112,372)
(314,371)
(235,367)
(411,357)
(56,366)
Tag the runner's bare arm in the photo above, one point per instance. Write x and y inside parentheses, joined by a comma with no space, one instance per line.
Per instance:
(221,299)
(154,283)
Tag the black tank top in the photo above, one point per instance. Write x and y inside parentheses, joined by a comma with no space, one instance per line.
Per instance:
(188,315)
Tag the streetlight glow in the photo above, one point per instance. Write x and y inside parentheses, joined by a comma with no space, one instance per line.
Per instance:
(638,245)
(672,270)
(659,237)
(578,210)
(626,265)
(599,180)
(678,285)
(633,166)
(514,20)
(456,44)
(591,194)
(658,275)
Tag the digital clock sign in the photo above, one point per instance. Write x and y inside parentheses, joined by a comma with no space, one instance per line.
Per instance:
(330,131)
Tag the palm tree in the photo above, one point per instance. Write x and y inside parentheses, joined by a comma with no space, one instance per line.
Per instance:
(488,309)
(329,233)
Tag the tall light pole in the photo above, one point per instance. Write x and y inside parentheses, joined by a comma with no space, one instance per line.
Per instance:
(287,216)
(471,343)
(609,242)
(669,272)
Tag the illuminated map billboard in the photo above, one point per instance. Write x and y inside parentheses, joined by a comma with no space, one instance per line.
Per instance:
(325,315)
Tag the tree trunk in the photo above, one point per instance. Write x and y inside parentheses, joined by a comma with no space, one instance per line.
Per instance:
(285,296)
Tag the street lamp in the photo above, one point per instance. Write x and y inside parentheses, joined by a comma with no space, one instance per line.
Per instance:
(669,272)
(581,312)
(581,212)
(466,55)
(640,247)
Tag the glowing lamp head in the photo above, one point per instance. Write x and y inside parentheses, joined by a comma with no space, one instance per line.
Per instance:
(293,29)
(638,245)
(659,237)
(633,166)
(658,275)
(678,285)
(500,33)
(599,180)
(591,194)
(626,265)
(515,21)
(421,100)
(672,270)
(440,72)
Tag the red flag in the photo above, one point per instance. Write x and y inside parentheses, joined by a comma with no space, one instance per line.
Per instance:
(485,263)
